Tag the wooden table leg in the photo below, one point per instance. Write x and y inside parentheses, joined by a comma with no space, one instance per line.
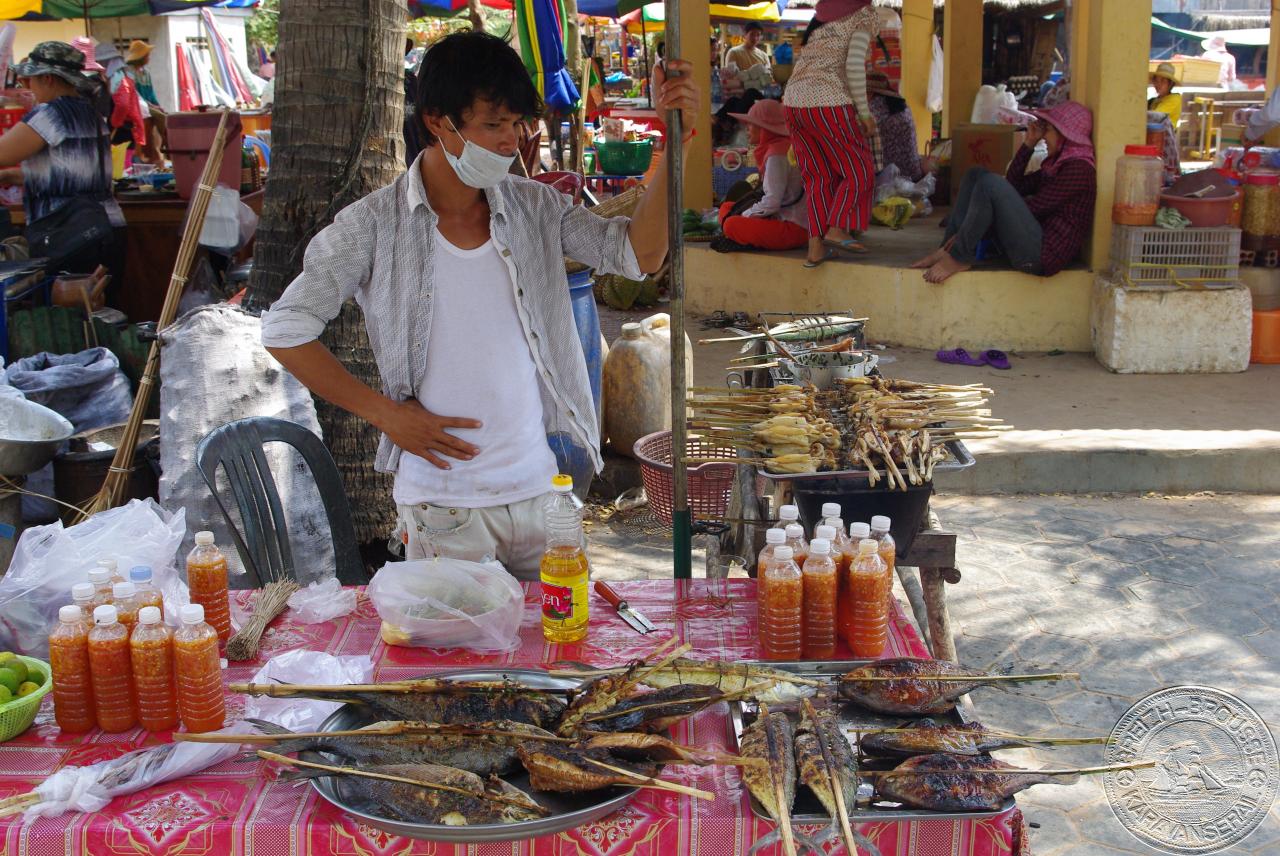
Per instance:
(915,598)
(941,642)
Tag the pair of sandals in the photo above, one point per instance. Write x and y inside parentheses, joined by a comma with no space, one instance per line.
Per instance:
(961,357)
(852,246)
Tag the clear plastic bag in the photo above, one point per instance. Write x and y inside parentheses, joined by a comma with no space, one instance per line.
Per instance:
(448,603)
(49,560)
(322,600)
(304,667)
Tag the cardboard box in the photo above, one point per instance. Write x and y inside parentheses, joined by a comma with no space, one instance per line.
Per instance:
(988,146)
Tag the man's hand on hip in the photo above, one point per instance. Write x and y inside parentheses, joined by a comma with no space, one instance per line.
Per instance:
(420,432)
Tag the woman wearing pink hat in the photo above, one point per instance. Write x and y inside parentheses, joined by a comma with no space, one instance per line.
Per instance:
(777,221)
(1039,220)
(832,126)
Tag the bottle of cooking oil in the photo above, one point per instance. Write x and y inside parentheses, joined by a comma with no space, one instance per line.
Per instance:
(564,567)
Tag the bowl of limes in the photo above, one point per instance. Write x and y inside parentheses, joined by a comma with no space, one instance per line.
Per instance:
(24,681)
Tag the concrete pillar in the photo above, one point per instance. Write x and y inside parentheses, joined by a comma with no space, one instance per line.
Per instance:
(1109,76)
(917,59)
(962,49)
(695,46)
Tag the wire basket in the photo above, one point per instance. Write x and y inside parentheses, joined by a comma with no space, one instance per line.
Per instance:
(1195,257)
(709,484)
(16,716)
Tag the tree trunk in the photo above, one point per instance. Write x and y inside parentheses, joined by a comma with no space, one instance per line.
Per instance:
(476,13)
(573,62)
(337,137)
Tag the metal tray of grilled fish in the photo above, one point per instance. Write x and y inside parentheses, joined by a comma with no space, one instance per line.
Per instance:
(567,810)
(852,718)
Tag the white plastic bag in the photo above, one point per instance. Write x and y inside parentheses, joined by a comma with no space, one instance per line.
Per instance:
(322,600)
(49,560)
(933,98)
(304,667)
(448,603)
(221,228)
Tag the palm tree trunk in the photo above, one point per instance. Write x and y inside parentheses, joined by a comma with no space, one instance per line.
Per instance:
(337,137)
(476,14)
(573,62)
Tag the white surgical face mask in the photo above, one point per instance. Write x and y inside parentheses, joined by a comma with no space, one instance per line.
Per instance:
(477,167)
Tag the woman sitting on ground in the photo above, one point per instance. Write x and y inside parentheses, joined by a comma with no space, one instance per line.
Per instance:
(1038,220)
(776,222)
(897,127)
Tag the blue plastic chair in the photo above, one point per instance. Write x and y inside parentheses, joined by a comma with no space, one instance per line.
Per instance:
(261,146)
(264,549)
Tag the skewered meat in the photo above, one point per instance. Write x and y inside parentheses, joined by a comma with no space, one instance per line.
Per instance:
(771,739)
(906,686)
(927,736)
(656,711)
(562,768)
(981,784)
(812,764)
(414,803)
(481,753)
(650,747)
(732,678)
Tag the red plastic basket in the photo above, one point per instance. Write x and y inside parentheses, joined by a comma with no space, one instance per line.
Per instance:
(709,484)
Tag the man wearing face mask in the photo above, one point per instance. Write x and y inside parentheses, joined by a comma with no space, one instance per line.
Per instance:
(459,269)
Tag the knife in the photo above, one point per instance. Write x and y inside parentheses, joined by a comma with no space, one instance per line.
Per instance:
(638,622)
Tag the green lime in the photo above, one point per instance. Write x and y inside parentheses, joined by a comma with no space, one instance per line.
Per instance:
(35,677)
(9,680)
(11,662)
(5,695)
(27,688)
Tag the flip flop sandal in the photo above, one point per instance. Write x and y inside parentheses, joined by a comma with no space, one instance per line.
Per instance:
(852,245)
(959,357)
(997,359)
(828,257)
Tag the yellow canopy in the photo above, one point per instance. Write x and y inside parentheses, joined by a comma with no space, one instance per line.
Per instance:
(655,13)
(11,9)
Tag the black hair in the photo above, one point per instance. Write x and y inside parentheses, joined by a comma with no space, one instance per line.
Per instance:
(753,27)
(814,24)
(465,67)
(408,44)
(662,50)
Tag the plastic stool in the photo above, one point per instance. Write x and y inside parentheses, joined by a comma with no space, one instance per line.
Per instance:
(1266,337)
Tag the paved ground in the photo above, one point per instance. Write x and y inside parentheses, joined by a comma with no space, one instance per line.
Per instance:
(1135,593)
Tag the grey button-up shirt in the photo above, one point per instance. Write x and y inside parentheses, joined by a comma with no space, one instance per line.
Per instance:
(379,252)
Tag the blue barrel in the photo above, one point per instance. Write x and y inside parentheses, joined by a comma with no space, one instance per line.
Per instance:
(573,460)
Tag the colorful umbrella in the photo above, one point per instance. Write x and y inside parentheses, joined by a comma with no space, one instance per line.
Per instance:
(12,10)
(541,26)
(446,8)
(766,13)
(619,8)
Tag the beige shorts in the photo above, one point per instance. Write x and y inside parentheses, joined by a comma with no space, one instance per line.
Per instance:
(513,534)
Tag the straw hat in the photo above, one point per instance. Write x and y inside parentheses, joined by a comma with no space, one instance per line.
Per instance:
(766,113)
(138,50)
(85,45)
(1214,43)
(1168,71)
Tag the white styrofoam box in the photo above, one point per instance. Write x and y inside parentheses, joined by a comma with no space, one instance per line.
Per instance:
(1157,330)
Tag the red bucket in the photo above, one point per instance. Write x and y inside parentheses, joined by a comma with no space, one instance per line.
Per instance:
(709,484)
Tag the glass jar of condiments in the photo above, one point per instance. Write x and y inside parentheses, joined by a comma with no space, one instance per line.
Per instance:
(1139,179)
(1261,212)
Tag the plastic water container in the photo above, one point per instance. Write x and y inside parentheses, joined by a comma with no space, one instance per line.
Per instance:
(190,136)
(572,459)
(637,382)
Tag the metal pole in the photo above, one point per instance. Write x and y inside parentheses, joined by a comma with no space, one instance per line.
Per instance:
(681,519)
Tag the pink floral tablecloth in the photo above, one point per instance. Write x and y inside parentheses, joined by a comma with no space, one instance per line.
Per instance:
(239,807)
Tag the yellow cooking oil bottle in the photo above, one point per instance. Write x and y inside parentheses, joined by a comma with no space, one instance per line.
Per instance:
(564,566)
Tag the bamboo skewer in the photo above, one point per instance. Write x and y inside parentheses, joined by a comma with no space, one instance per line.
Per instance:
(799,680)
(1079,771)
(650,782)
(386,777)
(745,692)
(963,678)
(425,685)
(837,786)
(121,469)
(1056,741)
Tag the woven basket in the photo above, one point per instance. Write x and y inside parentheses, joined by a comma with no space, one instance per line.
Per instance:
(709,484)
(16,716)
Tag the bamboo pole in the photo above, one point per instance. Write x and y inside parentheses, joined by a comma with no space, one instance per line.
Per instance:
(681,519)
(121,468)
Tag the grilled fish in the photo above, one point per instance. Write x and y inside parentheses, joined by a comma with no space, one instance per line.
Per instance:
(412,803)
(812,764)
(656,711)
(732,677)
(772,739)
(978,783)
(909,695)
(927,736)
(563,768)
(652,747)
(596,696)
(479,753)
(457,707)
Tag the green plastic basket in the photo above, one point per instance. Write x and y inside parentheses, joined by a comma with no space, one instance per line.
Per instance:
(16,716)
(624,158)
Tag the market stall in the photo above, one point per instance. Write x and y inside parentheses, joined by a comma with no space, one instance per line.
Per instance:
(240,806)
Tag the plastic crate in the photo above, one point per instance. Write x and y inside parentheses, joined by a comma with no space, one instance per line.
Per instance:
(723,178)
(1150,255)
(709,484)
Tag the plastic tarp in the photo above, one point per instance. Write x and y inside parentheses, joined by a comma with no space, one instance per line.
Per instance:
(1252,37)
(69,9)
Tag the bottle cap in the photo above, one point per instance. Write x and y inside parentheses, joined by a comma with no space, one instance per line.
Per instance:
(775,536)
(149,615)
(140,574)
(122,590)
(109,564)
(98,576)
(825,532)
(105,614)
(784,553)
(70,614)
(794,530)
(880,523)
(789,512)
(858,531)
(835,523)
(204,539)
(631,330)
(830,509)
(562,483)
(192,613)
(820,547)
(868,545)
(82,591)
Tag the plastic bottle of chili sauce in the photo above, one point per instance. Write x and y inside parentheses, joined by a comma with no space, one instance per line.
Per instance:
(69,663)
(112,672)
(199,672)
(151,650)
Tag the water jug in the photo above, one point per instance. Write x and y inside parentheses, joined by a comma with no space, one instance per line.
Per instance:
(637,382)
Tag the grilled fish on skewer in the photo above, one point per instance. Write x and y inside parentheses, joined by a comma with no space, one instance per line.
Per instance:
(927,736)
(603,693)
(771,739)
(826,762)
(559,768)
(427,793)
(652,747)
(465,748)
(912,687)
(723,675)
(659,710)
(455,705)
